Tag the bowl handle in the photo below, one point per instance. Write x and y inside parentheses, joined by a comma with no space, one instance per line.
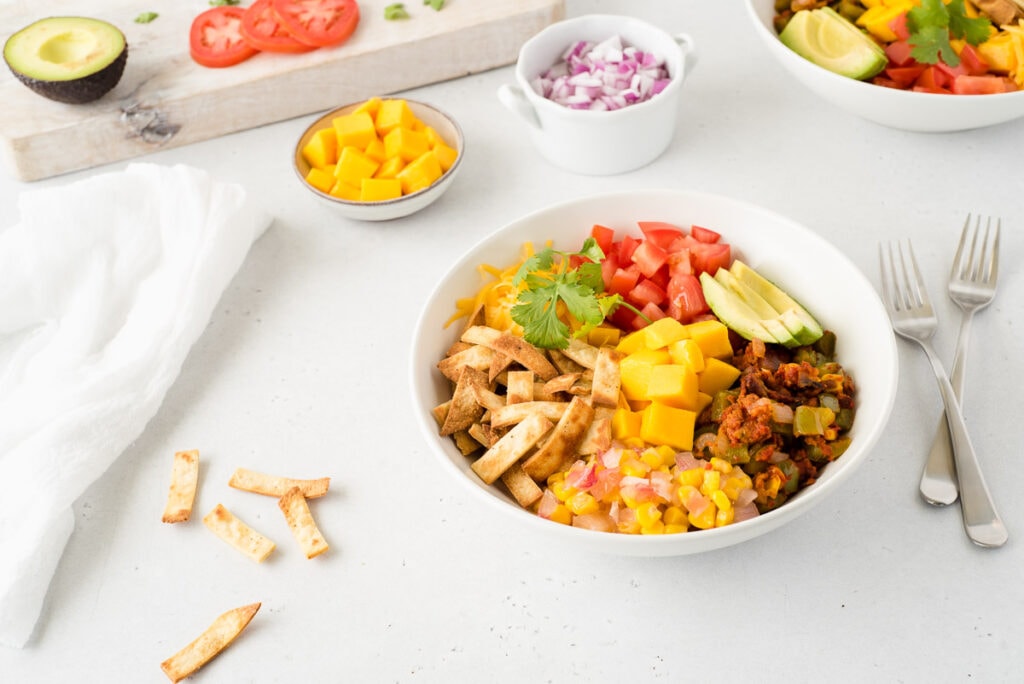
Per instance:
(514,99)
(689,51)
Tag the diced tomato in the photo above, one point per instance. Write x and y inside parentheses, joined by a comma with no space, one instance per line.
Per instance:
(710,258)
(320,23)
(627,246)
(705,235)
(215,39)
(966,84)
(679,263)
(933,79)
(972,60)
(887,82)
(623,280)
(898,53)
(906,76)
(685,298)
(950,71)
(661,277)
(898,25)
(649,257)
(661,234)
(646,292)
(609,265)
(262,30)
(653,312)
(605,237)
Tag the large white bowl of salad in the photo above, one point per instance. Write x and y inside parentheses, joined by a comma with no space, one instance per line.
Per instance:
(687,414)
(916,65)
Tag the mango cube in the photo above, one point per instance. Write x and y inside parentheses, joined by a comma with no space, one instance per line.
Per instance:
(717,376)
(371,107)
(343,190)
(687,353)
(393,114)
(322,149)
(712,337)
(353,166)
(602,335)
(355,130)
(664,424)
(379,189)
(634,341)
(635,371)
(625,424)
(320,179)
(673,385)
(663,332)
(375,150)
(405,143)
(390,168)
(420,173)
(446,155)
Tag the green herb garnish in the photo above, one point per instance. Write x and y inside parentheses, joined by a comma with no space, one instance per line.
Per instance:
(580,288)
(223,3)
(395,11)
(932,23)
(146,17)
(436,4)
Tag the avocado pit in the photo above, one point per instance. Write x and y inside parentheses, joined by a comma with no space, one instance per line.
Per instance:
(68,59)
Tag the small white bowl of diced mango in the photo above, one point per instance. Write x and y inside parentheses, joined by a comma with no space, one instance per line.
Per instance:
(380,159)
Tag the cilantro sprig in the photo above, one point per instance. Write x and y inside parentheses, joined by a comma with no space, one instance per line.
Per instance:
(932,23)
(550,279)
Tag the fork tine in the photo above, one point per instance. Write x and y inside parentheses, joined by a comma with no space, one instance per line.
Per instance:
(920,289)
(993,260)
(885,276)
(960,265)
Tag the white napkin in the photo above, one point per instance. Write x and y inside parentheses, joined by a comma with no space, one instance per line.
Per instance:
(104,286)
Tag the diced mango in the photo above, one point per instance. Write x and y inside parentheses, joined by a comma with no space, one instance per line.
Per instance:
(355,130)
(445,155)
(687,353)
(712,337)
(390,168)
(371,107)
(393,114)
(877,19)
(322,149)
(405,143)
(345,191)
(375,150)
(354,166)
(635,371)
(602,335)
(663,332)
(378,189)
(703,400)
(625,424)
(664,424)
(674,385)
(634,341)
(420,173)
(998,53)
(717,376)
(320,179)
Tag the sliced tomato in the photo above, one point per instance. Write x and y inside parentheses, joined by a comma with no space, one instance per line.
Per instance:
(649,257)
(899,53)
(685,298)
(933,79)
(318,22)
(710,258)
(972,60)
(646,292)
(905,76)
(623,280)
(679,263)
(661,234)
(627,246)
(262,29)
(965,84)
(215,39)
(705,235)
(604,236)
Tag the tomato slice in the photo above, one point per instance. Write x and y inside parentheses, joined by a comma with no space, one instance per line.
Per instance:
(215,39)
(660,233)
(705,235)
(649,257)
(710,258)
(262,30)
(318,22)
(685,298)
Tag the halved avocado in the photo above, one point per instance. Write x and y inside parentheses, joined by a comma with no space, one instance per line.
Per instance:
(68,59)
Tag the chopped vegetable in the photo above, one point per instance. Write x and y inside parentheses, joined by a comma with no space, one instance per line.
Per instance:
(262,29)
(323,23)
(932,23)
(221,3)
(146,17)
(395,11)
(437,5)
(215,39)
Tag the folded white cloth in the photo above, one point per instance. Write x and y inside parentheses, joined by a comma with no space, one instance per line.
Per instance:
(105,284)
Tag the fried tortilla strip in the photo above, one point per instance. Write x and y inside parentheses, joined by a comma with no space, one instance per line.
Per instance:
(488,399)
(540,394)
(510,414)
(212,641)
(521,486)
(235,532)
(561,383)
(511,447)
(499,364)
(564,440)
(300,520)
(184,480)
(598,437)
(477,356)
(478,317)
(272,485)
(440,412)
(465,442)
(582,353)
(563,363)
(465,410)
(520,387)
(607,381)
(524,353)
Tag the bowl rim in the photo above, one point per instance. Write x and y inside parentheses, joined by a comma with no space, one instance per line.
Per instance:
(651,545)
(327,116)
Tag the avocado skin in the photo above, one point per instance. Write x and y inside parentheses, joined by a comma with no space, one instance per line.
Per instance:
(80,90)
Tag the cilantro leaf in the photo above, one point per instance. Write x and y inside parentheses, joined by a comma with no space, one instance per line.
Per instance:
(931,42)
(932,23)
(974,30)
(395,10)
(436,4)
(146,17)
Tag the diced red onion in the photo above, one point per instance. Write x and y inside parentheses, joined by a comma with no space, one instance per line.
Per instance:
(782,413)
(744,512)
(603,76)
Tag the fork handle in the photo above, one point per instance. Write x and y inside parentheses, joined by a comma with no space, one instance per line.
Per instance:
(982,523)
(938,481)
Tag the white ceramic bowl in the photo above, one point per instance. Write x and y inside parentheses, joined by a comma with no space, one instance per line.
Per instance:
(599,142)
(902,109)
(810,268)
(386,210)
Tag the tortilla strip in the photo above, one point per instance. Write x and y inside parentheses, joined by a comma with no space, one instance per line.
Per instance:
(499,363)
(477,357)
(515,413)
(598,437)
(440,412)
(222,523)
(272,485)
(464,410)
(465,442)
(607,380)
(563,363)
(582,353)
(300,521)
(520,387)
(184,480)
(511,447)
(524,353)
(488,399)
(521,486)
(212,641)
(564,440)
(561,383)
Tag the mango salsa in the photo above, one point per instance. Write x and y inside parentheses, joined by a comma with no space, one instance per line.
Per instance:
(378,149)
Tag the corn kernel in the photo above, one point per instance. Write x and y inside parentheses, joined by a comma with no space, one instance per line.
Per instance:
(562,491)
(652,458)
(648,513)
(667,453)
(581,503)
(633,466)
(706,519)
(721,465)
(561,514)
(721,500)
(674,515)
(723,518)
(656,527)
(694,477)
(675,529)
(712,482)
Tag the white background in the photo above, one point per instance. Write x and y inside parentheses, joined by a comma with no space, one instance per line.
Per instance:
(303,371)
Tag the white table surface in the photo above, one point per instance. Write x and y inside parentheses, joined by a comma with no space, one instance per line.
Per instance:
(299,372)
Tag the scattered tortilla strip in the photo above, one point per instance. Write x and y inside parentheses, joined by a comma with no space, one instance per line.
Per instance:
(499,364)
(488,399)
(477,357)
(300,520)
(520,387)
(540,394)
(440,412)
(517,348)
(521,486)
(464,410)
(272,485)
(510,414)
(511,447)
(184,480)
(598,437)
(582,353)
(465,442)
(239,535)
(607,379)
(561,383)
(563,363)
(562,444)
(212,641)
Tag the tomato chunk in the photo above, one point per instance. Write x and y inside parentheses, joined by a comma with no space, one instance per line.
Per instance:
(685,298)
(215,39)
(604,236)
(649,257)
(661,234)
(705,235)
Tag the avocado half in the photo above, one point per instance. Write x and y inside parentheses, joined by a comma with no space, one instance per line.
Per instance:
(68,59)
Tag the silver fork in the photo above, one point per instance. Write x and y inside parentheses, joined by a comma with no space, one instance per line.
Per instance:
(913,318)
(972,285)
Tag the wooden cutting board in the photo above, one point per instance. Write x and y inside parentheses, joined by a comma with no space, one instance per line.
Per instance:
(166,100)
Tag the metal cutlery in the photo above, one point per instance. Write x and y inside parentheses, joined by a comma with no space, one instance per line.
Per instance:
(913,318)
(972,285)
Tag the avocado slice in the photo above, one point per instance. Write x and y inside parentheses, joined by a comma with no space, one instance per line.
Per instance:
(800,323)
(733,311)
(769,317)
(68,59)
(828,39)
